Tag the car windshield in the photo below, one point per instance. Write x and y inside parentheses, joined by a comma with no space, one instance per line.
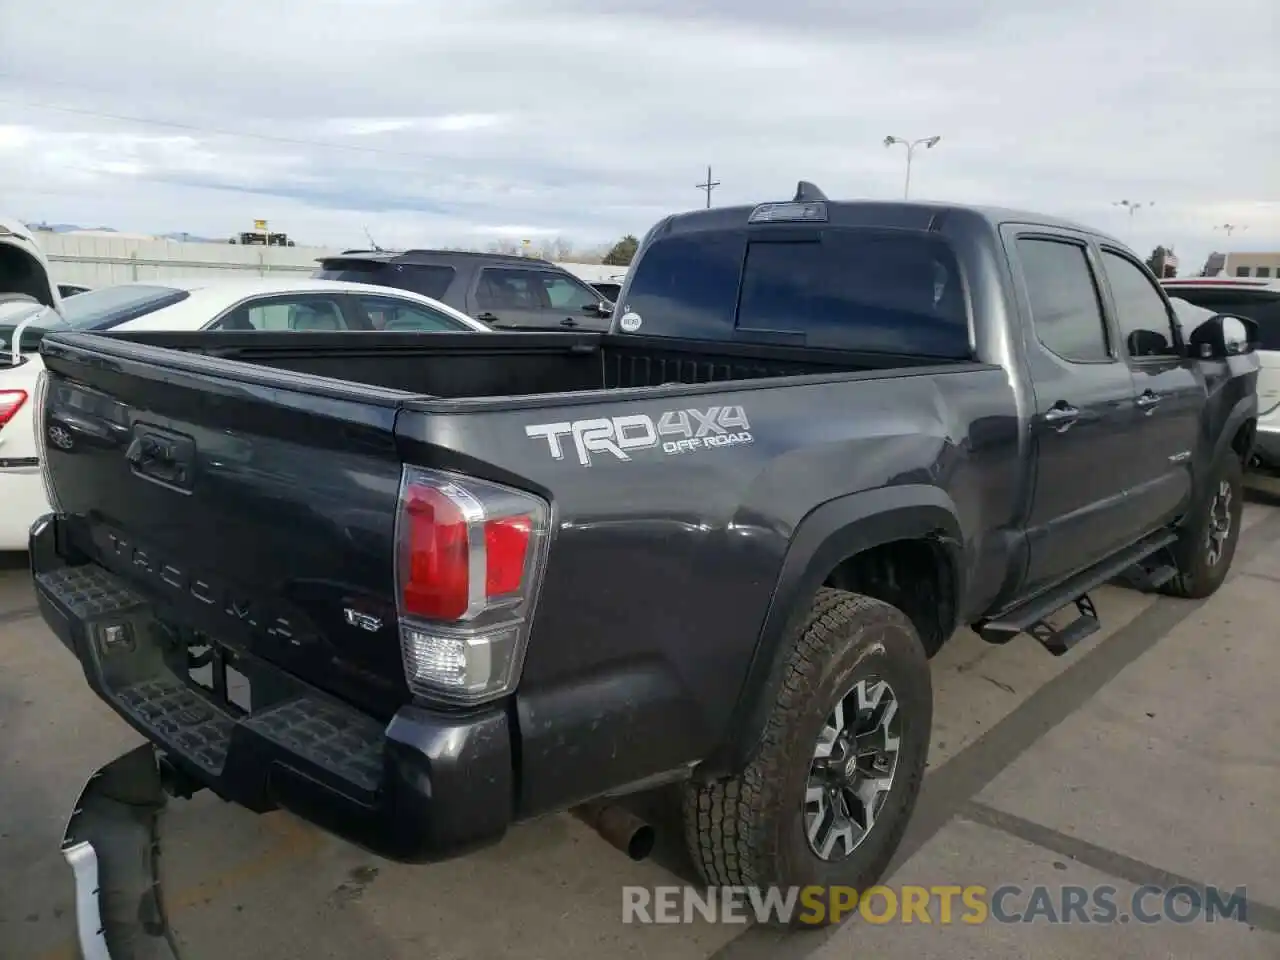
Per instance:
(99,309)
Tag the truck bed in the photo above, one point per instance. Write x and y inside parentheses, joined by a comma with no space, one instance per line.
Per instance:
(463,365)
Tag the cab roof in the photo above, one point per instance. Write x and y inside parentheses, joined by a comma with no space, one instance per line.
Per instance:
(890,214)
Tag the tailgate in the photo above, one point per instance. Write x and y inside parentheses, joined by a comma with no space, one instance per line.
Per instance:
(247,504)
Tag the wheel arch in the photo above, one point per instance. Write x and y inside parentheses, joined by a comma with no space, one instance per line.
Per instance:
(827,545)
(1236,437)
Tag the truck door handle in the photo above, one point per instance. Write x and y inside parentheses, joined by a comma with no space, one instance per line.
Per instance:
(1061,417)
(1147,400)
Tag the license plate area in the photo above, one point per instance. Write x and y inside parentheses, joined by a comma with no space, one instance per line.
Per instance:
(212,668)
(229,678)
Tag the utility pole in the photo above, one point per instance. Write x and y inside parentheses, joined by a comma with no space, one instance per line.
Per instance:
(927,142)
(708,186)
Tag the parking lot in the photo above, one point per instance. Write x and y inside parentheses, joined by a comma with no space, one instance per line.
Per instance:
(1150,756)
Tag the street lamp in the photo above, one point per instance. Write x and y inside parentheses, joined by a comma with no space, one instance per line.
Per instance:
(1133,206)
(928,142)
(1230,228)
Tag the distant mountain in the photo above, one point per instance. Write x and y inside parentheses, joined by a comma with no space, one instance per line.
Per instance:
(191,238)
(179,236)
(67,227)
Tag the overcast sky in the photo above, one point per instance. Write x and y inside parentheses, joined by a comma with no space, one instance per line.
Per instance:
(433,122)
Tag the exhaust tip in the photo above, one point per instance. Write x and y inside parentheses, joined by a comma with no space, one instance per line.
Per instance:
(642,842)
(622,829)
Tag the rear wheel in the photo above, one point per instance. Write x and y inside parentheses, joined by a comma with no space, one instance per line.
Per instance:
(1208,541)
(833,783)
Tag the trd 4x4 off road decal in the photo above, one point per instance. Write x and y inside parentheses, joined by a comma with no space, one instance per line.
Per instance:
(677,431)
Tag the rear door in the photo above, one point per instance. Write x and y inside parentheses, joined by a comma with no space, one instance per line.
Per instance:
(530,297)
(509,297)
(1083,429)
(1169,391)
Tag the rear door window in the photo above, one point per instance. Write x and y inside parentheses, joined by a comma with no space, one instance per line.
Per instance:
(502,289)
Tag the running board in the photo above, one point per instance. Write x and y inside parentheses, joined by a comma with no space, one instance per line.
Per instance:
(1033,616)
(110,845)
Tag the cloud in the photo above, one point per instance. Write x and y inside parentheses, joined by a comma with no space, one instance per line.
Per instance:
(432,122)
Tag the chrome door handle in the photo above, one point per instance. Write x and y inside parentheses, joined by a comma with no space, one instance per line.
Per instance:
(1061,418)
(1147,400)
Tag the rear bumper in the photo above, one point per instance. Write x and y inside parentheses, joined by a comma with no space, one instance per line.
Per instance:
(427,786)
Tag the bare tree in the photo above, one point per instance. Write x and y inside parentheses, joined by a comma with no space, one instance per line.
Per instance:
(508,247)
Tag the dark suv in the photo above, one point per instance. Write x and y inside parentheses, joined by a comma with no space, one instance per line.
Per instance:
(504,291)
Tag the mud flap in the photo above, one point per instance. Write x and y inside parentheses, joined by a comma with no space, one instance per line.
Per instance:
(111,844)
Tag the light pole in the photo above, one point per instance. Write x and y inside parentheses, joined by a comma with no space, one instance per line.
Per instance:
(1230,228)
(1133,207)
(928,142)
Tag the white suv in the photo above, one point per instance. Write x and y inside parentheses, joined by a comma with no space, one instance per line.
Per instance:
(1259,300)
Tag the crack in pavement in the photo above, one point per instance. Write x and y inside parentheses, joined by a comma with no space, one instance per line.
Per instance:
(1111,862)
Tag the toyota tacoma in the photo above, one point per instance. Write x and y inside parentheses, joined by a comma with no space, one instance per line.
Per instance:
(416,589)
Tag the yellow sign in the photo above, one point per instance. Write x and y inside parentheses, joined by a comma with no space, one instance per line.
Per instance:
(259,224)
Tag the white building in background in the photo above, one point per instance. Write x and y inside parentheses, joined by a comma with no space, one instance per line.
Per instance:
(95,258)
(1264,266)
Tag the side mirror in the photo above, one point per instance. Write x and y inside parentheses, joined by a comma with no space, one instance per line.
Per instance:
(1223,335)
(602,309)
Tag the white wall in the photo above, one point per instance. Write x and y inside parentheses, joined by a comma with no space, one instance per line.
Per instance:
(103,259)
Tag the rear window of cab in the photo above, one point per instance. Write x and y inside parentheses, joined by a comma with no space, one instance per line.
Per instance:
(878,291)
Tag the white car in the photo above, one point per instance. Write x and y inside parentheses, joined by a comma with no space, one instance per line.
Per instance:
(249,304)
(1259,301)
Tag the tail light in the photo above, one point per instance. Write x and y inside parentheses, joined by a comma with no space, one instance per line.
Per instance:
(41,431)
(11,401)
(470,556)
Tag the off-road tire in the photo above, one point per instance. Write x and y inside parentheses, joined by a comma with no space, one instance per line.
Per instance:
(748,830)
(1196,577)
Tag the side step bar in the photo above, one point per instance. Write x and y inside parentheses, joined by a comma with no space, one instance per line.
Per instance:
(110,844)
(1032,617)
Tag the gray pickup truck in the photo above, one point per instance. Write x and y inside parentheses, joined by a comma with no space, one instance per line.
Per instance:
(416,589)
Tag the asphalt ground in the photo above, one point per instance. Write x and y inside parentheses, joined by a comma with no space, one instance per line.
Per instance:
(1146,760)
